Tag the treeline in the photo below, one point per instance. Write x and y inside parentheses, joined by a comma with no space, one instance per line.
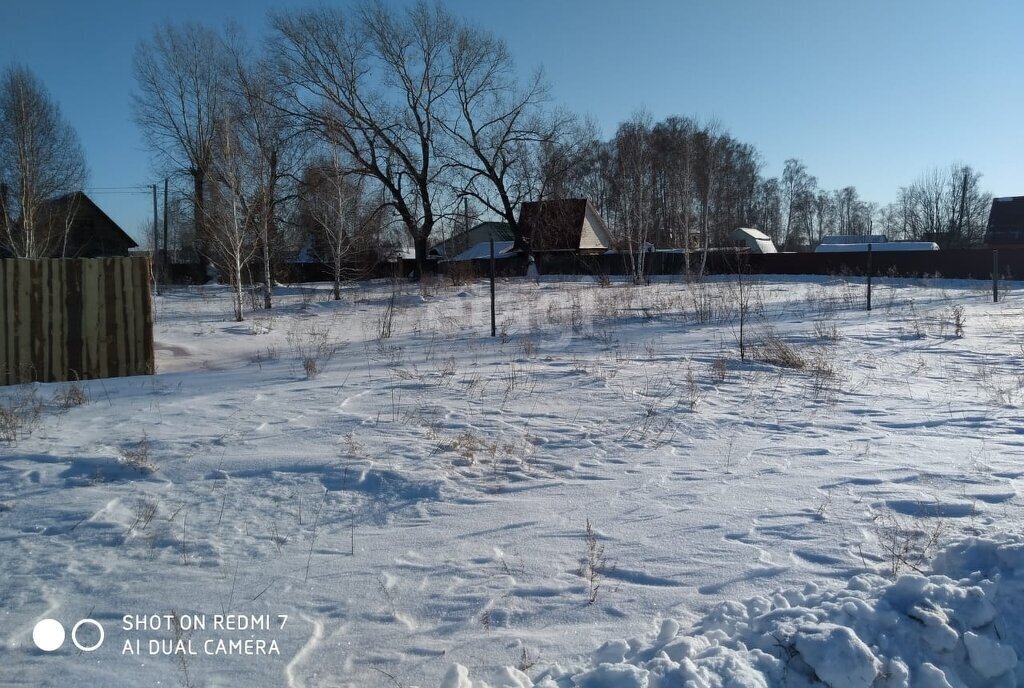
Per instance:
(683,183)
(344,131)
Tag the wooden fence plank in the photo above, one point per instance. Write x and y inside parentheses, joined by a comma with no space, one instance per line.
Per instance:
(65,319)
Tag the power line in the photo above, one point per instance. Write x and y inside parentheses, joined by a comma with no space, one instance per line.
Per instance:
(125,189)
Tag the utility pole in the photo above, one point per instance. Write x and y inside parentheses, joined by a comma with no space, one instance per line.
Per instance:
(494,330)
(165,263)
(156,243)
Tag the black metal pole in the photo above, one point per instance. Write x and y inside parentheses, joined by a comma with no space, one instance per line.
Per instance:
(156,243)
(494,328)
(869,276)
(995,275)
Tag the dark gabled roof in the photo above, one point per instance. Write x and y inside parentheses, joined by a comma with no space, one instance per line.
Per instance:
(1006,221)
(82,201)
(553,225)
(460,241)
(501,231)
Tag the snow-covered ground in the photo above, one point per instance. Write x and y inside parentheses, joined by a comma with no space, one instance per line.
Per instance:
(604,494)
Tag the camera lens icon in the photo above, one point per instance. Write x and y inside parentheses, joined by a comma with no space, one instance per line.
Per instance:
(49,634)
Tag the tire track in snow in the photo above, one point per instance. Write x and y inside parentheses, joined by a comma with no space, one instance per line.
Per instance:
(314,640)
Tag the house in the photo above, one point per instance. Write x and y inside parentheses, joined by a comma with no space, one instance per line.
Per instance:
(564,225)
(479,234)
(754,239)
(78,228)
(1006,222)
(855,239)
(91,232)
(482,251)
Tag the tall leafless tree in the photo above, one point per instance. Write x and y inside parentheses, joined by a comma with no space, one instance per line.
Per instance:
(635,186)
(798,188)
(335,205)
(947,206)
(498,126)
(40,160)
(231,215)
(377,81)
(181,79)
(272,140)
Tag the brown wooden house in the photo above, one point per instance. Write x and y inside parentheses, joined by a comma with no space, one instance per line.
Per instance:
(563,226)
(91,232)
(1006,222)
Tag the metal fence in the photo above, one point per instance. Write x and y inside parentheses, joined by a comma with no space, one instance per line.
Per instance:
(66,319)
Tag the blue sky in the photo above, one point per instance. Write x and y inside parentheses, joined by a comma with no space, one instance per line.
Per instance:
(869,93)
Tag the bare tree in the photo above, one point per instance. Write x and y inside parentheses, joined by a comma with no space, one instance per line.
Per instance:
(232,211)
(498,127)
(345,225)
(673,140)
(40,160)
(377,83)
(181,80)
(271,139)
(768,208)
(635,184)
(947,206)
(708,145)
(797,189)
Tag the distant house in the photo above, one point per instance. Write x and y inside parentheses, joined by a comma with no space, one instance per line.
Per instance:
(855,239)
(91,232)
(481,233)
(754,239)
(1006,222)
(565,225)
(482,251)
(80,229)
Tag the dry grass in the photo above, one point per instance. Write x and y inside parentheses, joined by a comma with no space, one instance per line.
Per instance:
(774,350)
(20,414)
(139,456)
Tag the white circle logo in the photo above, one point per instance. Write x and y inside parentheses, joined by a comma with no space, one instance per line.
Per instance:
(48,635)
(74,635)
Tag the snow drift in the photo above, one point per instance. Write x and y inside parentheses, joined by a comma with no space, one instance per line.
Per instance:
(958,627)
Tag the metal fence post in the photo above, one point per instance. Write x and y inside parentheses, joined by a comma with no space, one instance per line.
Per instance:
(494,329)
(869,277)
(995,275)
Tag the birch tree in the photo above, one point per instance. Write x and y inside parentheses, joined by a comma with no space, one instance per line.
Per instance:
(231,216)
(271,139)
(41,159)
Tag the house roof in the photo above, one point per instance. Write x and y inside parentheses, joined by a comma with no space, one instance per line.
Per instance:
(500,231)
(482,250)
(1006,220)
(555,225)
(855,239)
(750,232)
(756,240)
(81,200)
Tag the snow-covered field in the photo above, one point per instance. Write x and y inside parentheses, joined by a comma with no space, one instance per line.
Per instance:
(604,494)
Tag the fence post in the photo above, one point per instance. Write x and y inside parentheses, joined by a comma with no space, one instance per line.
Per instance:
(869,277)
(494,329)
(995,275)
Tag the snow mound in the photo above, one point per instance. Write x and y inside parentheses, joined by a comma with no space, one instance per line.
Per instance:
(959,627)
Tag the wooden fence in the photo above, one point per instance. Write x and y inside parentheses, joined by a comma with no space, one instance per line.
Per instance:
(65,319)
